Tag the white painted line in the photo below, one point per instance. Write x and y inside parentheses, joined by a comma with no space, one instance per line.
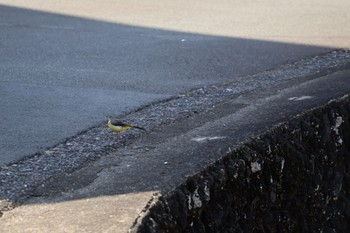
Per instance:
(305,97)
(202,139)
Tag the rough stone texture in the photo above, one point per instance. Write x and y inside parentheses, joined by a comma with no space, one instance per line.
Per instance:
(295,178)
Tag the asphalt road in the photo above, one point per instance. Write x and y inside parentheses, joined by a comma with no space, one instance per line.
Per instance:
(113,193)
(65,66)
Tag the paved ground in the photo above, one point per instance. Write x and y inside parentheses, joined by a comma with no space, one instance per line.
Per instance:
(64,66)
(108,194)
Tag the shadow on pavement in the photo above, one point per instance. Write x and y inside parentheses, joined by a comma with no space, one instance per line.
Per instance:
(60,75)
(56,67)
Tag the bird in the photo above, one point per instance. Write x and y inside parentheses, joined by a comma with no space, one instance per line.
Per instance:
(118,126)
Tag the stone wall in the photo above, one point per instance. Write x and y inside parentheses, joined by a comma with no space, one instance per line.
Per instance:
(295,178)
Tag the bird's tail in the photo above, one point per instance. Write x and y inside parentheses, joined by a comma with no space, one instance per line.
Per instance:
(140,128)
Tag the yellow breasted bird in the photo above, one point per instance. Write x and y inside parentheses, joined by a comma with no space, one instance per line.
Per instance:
(118,126)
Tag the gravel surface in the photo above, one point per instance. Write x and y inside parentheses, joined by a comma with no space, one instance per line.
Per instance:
(18,180)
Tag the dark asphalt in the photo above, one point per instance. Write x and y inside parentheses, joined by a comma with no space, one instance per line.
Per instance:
(60,75)
(110,193)
(232,69)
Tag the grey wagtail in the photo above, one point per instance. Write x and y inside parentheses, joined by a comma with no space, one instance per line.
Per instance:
(118,126)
